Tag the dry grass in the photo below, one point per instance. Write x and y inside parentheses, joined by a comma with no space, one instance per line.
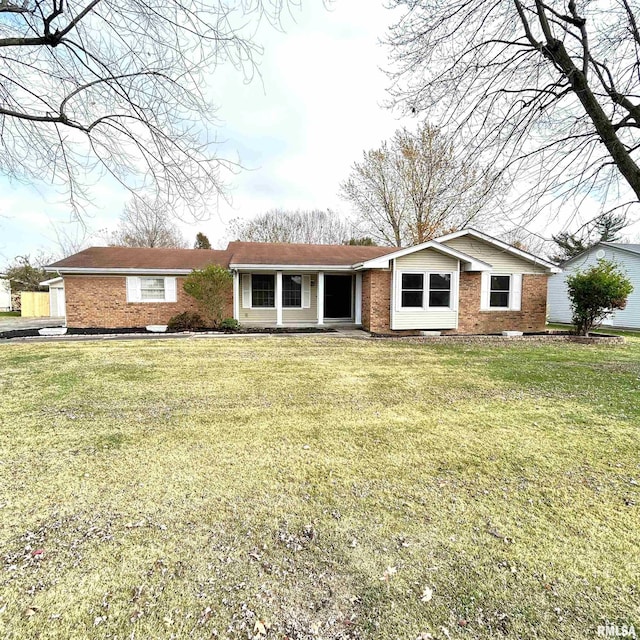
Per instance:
(191,488)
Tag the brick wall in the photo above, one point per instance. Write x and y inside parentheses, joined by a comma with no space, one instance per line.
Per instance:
(96,301)
(376,303)
(531,317)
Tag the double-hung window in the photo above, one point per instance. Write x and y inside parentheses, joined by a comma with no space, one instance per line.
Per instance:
(425,290)
(499,292)
(263,290)
(291,291)
(412,290)
(152,289)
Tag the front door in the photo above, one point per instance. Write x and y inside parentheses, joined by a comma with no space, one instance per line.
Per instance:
(338,297)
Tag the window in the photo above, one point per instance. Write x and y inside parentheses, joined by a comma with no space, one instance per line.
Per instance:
(437,294)
(152,289)
(440,290)
(412,289)
(291,291)
(499,291)
(263,290)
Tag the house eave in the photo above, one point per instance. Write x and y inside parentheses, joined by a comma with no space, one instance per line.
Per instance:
(291,267)
(115,271)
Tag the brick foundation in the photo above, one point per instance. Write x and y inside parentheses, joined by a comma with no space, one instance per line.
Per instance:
(376,306)
(96,301)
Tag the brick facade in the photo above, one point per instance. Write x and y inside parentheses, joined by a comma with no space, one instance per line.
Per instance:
(376,306)
(97,301)
(531,317)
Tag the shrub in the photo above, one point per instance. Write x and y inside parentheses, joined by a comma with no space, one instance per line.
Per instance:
(595,293)
(229,324)
(211,288)
(186,321)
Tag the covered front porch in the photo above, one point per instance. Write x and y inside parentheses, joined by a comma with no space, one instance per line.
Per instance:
(296,298)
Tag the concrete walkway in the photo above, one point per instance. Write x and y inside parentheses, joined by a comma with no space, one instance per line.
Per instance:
(15,324)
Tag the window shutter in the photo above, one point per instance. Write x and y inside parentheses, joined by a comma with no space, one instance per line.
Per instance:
(306,292)
(455,287)
(485,284)
(133,289)
(516,291)
(170,292)
(246,290)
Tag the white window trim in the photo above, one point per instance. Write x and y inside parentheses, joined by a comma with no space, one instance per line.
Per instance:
(275,293)
(509,304)
(453,289)
(515,292)
(134,290)
(301,305)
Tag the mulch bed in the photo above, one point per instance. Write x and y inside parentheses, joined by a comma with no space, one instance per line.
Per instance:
(33,333)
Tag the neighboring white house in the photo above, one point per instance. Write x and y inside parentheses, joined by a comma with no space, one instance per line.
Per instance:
(626,256)
(5,294)
(56,297)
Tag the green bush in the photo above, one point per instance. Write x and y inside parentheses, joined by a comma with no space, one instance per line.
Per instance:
(186,321)
(595,293)
(211,288)
(229,324)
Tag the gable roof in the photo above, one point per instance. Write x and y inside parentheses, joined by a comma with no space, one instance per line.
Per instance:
(504,246)
(245,254)
(474,263)
(124,259)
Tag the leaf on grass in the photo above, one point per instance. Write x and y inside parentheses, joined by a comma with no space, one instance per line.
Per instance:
(30,611)
(427,594)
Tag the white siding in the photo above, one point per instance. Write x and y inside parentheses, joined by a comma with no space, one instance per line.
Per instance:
(427,260)
(559,306)
(501,261)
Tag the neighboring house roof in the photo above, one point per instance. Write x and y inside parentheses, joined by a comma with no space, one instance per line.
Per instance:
(631,248)
(507,248)
(128,258)
(267,253)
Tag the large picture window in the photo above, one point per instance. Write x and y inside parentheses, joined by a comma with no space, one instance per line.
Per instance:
(291,291)
(412,290)
(152,289)
(439,289)
(263,290)
(499,291)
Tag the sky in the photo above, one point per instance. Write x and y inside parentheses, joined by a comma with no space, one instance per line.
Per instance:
(297,129)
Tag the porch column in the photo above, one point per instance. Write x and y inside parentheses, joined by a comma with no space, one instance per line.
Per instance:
(358,313)
(320,304)
(279,298)
(236,295)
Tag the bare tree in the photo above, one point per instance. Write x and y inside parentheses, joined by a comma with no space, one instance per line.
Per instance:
(414,188)
(545,90)
(94,87)
(147,223)
(279,225)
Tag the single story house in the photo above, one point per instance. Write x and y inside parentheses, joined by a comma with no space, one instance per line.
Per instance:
(626,256)
(463,282)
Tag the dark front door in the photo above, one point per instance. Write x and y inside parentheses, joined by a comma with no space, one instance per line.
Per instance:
(337,296)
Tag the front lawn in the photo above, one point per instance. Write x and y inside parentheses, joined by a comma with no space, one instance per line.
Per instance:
(318,487)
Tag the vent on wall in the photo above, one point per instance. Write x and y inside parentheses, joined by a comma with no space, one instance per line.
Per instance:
(600,253)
